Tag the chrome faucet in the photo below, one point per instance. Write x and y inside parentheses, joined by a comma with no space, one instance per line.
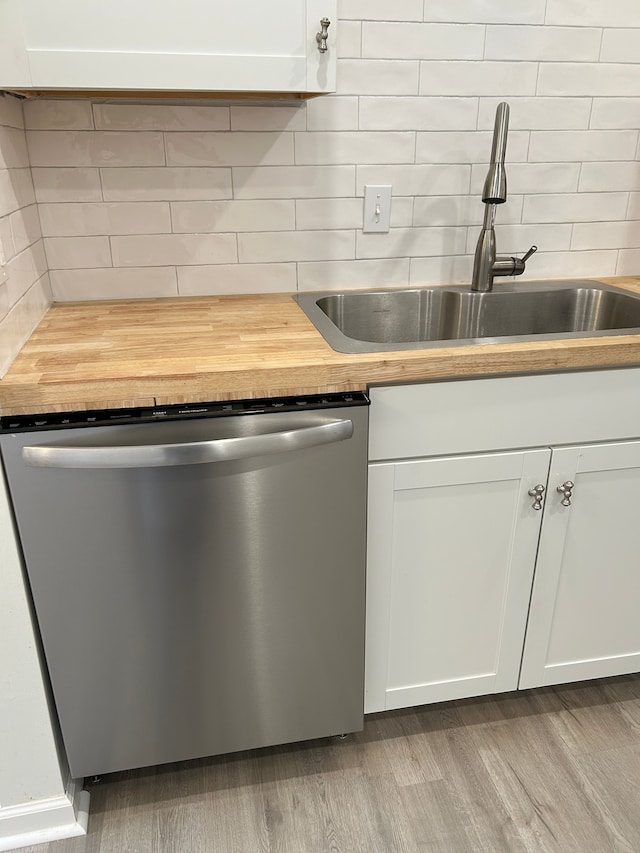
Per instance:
(486,264)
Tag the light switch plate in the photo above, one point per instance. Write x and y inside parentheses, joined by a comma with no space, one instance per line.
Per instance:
(377,208)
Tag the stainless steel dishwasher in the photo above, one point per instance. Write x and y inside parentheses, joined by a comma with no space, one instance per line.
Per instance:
(197,573)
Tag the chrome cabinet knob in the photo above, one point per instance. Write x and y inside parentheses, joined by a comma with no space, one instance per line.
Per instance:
(323,35)
(537,492)
(565,490)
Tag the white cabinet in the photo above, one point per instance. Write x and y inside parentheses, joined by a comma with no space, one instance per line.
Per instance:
(584,620)
(157,45)
(456,545)
(452,545)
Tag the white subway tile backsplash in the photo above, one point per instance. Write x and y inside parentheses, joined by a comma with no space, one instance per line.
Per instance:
(538,113)
(543,43)
(160,117)
(104,218)
(11,114)
(315,214)
(418,113)
(412,242)
(113,283)
(603,177)
(382,10)
(422,41)
(16,190)
(67,184)
(531,178)
(23,270)
(4,308)
(588,79)
(478,78)
(616,113)
(516,239)
(229,149)
(169,184)
(236,278)
(332,113)
(157,250)
(227,216)
(25,228)
(21,320)
(441,179)
(7,249)
(581,145)
(450,269)
(576,207)
(462,210)
(60,114)
(345,213)
(259,118)
(95,148)
(597,13)
(485,11)
(293,181)
(628,262)
(66,253)
(633,210)
(378,76)
(467,147)
(620,45)
(353,275)
(343,147)
(571,264)
(13,149)
(278,246)
(606,235)
(25,294)
(349,39)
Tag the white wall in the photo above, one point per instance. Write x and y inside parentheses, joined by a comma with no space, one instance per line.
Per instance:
(25,293)
(38,801)
(151,200)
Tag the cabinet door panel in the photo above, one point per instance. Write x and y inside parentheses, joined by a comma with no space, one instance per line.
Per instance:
(584,619)
(229,45)
(452,546)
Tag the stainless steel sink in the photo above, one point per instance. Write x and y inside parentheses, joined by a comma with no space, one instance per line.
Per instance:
(375,321)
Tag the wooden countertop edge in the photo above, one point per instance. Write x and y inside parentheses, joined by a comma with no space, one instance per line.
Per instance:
(318,369)
(445,363)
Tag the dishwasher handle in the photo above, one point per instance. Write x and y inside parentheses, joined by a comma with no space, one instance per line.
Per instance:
(189,453)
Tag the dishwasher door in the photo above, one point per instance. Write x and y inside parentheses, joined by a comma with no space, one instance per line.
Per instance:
(198,584)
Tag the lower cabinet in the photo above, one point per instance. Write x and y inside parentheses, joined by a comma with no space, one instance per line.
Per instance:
(584,620)
(452,546)
(489,572)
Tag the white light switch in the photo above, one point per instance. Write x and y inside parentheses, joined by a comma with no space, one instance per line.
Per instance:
(377,208)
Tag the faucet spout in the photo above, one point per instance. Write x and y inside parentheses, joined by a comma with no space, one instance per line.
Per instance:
(486,264)
(485,255)
(495,185)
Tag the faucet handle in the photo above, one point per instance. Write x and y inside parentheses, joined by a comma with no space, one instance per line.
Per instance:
(509,265)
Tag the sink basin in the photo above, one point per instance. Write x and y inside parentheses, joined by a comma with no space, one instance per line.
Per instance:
(375,321)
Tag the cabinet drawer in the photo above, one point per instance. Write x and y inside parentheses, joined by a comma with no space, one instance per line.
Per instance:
(436,418)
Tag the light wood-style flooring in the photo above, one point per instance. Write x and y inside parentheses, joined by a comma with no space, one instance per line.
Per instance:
(553,769)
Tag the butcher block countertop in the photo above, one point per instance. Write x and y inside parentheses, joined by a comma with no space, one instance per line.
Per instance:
(121,353)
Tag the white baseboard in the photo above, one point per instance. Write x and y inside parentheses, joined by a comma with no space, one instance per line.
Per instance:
(45,820)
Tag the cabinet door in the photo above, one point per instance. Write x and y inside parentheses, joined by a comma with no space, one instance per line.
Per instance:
(584,620)
(227,45)
(451,552)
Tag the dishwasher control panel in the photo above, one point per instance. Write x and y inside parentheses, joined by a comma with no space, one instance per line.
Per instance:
(103,417)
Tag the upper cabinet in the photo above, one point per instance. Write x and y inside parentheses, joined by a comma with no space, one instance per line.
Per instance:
(229,46)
